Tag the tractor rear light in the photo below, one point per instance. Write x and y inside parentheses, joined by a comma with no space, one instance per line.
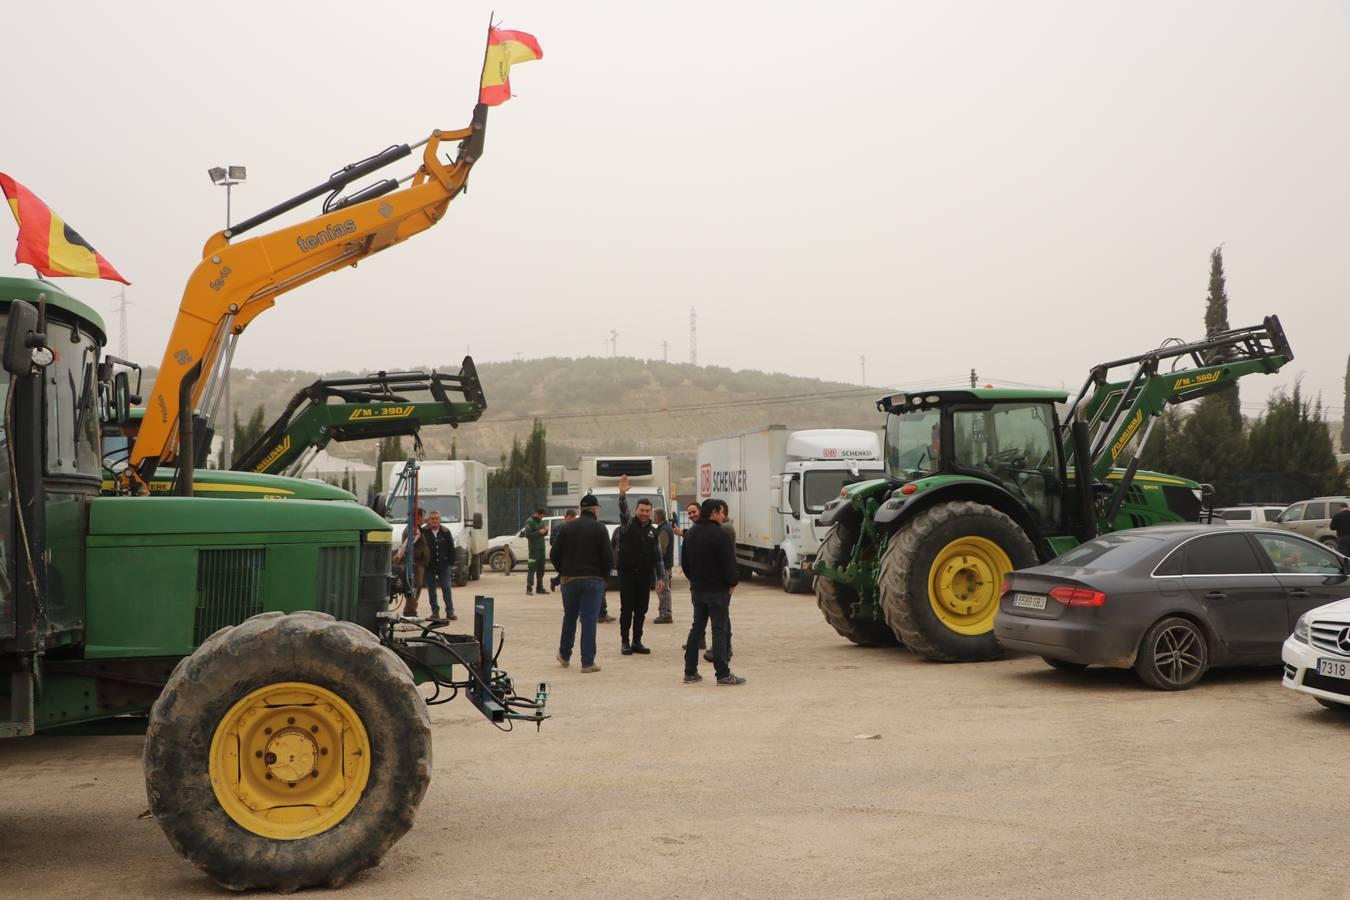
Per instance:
(908,488)
(1072,596)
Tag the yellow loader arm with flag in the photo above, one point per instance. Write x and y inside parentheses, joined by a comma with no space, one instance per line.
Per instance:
(237,280)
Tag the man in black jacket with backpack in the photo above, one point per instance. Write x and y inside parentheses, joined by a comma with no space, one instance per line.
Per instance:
(639,565)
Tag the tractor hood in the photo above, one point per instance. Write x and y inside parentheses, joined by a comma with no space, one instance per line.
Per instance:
(192,517)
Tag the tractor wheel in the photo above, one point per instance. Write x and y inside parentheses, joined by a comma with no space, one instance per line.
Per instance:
(792,584)
(836,600)
(289,751)
(941,576)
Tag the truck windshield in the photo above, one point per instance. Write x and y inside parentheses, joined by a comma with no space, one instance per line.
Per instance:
(820,487)
(447,506)
(609,504)
(913,440)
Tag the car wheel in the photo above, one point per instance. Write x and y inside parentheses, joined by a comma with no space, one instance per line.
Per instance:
(497,561)
(1331,544)
(1173,656)
(1064,665)
(1333,705)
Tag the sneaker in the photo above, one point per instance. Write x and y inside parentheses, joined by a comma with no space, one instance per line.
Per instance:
(564,661)
(729,680)
(594,668)
(690,679)
(641,649)
(627,650)
(528,592)
(663,620)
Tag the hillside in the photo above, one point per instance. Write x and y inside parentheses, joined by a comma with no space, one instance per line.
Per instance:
(606,405)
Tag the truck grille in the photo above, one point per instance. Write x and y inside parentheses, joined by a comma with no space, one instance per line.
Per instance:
(1325,635)
(335,582)
(229,588)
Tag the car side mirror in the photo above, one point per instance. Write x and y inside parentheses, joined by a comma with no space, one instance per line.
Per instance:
(477,521)
(122,398)
(22,337)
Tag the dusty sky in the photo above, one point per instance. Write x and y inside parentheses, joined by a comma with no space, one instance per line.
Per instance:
(1022,188)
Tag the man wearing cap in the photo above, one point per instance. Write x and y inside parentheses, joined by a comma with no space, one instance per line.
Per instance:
(583,557)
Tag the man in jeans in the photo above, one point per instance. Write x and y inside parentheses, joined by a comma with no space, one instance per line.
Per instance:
(440,563)
(710,566)
(583,557)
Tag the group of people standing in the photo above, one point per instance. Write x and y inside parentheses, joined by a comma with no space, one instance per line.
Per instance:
(583,556)
(433,558)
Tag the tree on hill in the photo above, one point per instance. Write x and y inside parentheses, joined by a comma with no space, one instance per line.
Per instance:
(1216,320)
(527,464)
(1294,448)
(245,435)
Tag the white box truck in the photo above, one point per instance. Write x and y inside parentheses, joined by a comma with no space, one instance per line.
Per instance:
(457,489)
(776,482)
(648,476)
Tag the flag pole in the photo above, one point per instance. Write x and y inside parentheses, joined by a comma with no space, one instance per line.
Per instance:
(486,44)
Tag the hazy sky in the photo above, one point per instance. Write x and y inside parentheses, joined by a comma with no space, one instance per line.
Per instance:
(1022,188)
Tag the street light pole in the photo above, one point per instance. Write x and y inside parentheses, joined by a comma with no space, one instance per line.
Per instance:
(227,177)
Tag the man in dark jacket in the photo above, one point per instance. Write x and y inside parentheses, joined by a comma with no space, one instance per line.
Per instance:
(665,539)
(1340,523)
(440,563)
(639,565)
(583,558)
(535,533)
(710,566)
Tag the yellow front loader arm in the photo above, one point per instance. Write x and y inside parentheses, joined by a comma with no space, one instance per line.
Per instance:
(236,281)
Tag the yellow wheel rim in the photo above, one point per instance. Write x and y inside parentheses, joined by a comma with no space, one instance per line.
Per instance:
(289,761)
(964,582)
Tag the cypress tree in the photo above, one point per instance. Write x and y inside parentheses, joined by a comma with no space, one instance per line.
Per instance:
(1345,414)
(1216,320)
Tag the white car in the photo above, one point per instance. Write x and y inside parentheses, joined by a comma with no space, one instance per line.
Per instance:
(495,554)
(1317,655)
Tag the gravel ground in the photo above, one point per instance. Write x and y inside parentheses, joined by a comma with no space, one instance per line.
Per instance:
(1000,779)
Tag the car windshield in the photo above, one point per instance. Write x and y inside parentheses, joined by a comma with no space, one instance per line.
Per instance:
(912,443)
(447,506)
(609,504)
(822,486)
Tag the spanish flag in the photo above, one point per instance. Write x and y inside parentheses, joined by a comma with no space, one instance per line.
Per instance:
(47,243)
(505,48)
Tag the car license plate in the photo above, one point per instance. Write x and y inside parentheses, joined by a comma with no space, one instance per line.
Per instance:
(1037,601)
(1334,668)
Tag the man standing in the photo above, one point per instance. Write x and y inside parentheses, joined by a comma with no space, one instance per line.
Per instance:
(420,557)
(665,539)
(583,558)
(639,564)
(710,566)
(1340,523)
(535,532)
(553,582)
(440,563)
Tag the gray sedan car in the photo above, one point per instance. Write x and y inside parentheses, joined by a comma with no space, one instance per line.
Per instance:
(1171,601)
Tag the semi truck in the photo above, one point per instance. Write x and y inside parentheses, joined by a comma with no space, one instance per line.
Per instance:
(457,489)
(776,482)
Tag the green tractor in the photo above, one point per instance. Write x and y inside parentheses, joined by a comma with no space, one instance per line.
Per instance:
(982,481)
(288,741)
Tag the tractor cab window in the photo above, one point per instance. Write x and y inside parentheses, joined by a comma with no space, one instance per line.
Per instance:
(72,404)
(913,442)
(1013,444)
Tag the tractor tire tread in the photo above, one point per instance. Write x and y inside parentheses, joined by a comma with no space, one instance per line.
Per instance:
(835,600)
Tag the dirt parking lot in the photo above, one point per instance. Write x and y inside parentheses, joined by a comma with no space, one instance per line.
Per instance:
(996,780)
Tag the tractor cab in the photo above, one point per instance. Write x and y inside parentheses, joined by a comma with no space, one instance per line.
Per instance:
(1009,438)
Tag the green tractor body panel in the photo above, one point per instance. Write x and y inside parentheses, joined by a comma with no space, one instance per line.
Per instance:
(31,290)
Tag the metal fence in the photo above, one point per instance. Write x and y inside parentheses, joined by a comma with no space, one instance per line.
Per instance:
(508,508)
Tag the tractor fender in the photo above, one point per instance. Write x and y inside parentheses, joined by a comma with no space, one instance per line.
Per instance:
(902,507)
(848,508)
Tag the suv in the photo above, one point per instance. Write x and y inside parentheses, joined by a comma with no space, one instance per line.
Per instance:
(495,554)
(1312,518)
(1250,514)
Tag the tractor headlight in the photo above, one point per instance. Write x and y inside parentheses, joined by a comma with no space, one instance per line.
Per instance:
(1301,629)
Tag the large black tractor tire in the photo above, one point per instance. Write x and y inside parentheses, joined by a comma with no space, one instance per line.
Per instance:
(951,557)
(242,719)
(836,600)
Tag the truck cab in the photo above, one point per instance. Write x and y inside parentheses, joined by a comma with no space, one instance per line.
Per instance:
(457,489)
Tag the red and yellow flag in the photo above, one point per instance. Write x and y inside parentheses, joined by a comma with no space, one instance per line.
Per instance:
(47,243)
(504,49)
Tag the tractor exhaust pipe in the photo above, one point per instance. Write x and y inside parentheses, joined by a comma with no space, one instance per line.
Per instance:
(186,458)
(1082,464)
